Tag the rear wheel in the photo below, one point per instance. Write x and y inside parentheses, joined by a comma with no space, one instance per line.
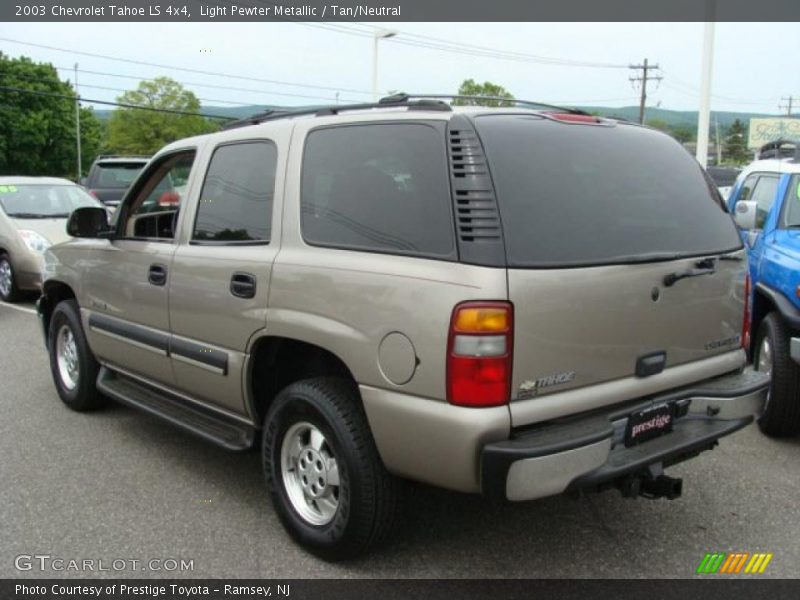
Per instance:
(9,292)
(327,482)
(72,363)
(782,412)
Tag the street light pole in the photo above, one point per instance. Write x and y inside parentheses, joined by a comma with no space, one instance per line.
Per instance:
(380,34)
(78,124)
(704,115)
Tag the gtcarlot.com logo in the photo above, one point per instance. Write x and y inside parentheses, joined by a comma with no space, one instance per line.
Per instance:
(46,562)
(734,563)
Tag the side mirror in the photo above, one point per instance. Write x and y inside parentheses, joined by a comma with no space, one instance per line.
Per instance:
(745,214)
(88,222)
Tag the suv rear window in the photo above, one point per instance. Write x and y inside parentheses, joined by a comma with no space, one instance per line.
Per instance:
(574,195)
(116,175)
(378,187)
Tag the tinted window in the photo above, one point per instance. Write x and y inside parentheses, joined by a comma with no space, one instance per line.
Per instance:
(378,187)
(236,200)
(747,187)
(117,175)
(792,203)
(594,194)
(764,197)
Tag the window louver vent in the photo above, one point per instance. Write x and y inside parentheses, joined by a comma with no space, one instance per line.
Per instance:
(477,218)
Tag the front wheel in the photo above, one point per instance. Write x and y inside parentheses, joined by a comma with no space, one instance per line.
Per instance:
(72,363)
(327,482)
(9,292)
(781,415)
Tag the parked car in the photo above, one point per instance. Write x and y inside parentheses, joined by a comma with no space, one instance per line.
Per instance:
(766,202)
(724,178)
(33,216)
(111,176)
(511,301)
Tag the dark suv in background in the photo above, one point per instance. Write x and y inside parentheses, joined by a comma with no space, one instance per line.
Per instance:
(111,176)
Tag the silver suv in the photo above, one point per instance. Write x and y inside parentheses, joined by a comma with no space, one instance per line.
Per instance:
(515,301)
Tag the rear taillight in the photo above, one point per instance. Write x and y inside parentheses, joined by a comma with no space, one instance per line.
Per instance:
(746,323)
(93,193)
(479,354)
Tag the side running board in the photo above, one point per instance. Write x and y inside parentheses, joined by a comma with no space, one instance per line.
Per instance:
(216,428)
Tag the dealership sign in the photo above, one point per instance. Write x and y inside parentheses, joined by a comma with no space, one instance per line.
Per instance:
(763,131)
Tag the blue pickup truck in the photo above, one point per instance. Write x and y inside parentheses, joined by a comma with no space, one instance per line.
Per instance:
(765,201)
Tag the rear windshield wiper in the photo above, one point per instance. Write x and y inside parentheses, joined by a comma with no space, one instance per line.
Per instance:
(703,266)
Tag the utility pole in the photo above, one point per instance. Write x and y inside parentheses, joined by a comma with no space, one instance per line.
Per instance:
(788,105)
(78,123)
(719,148)
(644,78)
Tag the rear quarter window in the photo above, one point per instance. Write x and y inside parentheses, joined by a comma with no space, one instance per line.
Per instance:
(378,187)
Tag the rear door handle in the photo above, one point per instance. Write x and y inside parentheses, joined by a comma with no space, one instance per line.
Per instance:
(243,285)
(157,275)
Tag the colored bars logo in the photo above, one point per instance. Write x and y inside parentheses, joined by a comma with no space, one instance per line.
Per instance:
(734,563)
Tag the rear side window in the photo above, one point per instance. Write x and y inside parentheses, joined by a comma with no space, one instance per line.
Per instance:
(117,175)
(380,188)
(574,195)
(236,199)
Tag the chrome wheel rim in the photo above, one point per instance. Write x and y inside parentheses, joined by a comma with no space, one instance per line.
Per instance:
(310,473)
(5,278)
(764,363)
(67,357)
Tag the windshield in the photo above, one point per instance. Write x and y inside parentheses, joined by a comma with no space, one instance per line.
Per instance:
(42,201)
(117,175)
(575,195)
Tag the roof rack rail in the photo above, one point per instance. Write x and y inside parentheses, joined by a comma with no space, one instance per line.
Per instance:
(774,150)
(123,156)
(513,101)
(397,100)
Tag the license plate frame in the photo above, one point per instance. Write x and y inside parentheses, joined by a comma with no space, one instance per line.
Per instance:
(649,423)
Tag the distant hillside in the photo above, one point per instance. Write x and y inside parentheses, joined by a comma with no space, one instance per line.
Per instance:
(673,118)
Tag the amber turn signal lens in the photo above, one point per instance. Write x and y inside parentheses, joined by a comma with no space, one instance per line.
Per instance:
(482,320)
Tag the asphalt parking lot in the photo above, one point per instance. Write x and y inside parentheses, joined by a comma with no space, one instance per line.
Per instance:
(118,484)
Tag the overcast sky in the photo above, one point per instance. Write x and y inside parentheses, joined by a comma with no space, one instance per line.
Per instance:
(755,63)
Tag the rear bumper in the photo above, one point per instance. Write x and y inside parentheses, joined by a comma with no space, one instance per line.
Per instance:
(590,452)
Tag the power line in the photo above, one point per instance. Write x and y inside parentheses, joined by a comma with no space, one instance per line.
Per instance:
(205,85)
(111,89)
(432,43)
(185,69)
(5,88)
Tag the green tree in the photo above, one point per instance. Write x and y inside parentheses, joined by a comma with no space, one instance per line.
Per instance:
(470,88)
(37,124)
(736,142)
(135,131)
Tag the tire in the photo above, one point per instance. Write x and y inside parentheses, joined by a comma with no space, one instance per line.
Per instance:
(9,292)
(347,519)
(72,363)
(781,417)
